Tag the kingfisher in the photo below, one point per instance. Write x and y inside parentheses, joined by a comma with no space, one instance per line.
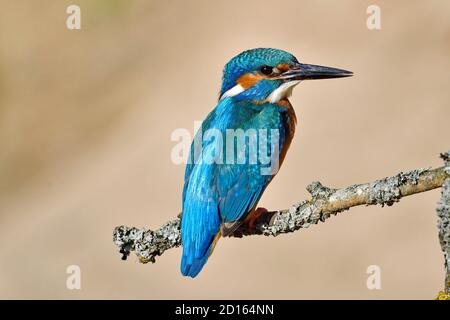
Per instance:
(220,192)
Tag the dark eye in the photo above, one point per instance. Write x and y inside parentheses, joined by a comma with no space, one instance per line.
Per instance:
(266,70)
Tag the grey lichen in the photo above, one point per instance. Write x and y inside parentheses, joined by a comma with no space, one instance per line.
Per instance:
(387,191)
(147,243)
(317,190)
(443,213)
(324,202)
(300,215)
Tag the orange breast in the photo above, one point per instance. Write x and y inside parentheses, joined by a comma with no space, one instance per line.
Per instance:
(290,129)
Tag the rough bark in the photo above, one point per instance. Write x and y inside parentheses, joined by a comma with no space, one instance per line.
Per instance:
(325,202)
(443,213)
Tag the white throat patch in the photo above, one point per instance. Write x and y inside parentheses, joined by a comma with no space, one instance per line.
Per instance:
(232,92)
(283,91)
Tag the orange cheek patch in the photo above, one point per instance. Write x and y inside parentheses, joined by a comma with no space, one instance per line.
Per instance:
(248,80)
(283,67)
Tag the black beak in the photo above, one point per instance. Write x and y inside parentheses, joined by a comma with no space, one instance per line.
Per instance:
(310,72)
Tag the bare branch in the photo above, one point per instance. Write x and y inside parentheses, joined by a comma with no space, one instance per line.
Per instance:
(325,202)
(443,212)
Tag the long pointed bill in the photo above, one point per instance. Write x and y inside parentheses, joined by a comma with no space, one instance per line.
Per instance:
(310,72)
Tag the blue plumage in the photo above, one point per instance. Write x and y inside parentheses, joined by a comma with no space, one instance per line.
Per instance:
(225,176)
(250,61)
(222,193)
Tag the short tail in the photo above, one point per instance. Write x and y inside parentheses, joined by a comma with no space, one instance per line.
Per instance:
(192,266)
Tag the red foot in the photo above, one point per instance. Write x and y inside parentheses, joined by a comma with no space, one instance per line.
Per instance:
(254,217)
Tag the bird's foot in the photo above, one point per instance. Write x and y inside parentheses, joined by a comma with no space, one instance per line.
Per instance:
(255,216)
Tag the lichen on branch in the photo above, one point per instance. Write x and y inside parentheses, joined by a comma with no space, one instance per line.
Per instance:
(324,202)
(443,213)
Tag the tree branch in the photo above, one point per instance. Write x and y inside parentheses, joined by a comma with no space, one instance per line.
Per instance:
(443,213)
(325,202)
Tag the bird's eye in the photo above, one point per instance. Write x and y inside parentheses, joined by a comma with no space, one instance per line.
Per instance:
(266,70)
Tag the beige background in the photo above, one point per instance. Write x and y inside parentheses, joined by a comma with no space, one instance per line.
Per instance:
(85,124)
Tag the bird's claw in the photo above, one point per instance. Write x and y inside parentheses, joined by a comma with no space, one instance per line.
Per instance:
(255,216)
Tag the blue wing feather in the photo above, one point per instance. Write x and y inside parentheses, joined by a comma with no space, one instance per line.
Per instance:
(220,193)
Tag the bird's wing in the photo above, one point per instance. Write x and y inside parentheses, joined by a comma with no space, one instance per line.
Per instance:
(196,152)
(216,194)
(240,188)
(200,221)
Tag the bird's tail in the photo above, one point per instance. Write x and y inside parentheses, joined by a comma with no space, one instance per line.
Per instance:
(192,266)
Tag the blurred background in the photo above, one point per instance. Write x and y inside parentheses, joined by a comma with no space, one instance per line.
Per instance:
(86,118)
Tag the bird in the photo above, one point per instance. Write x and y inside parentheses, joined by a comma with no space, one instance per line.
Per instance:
(220,193)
